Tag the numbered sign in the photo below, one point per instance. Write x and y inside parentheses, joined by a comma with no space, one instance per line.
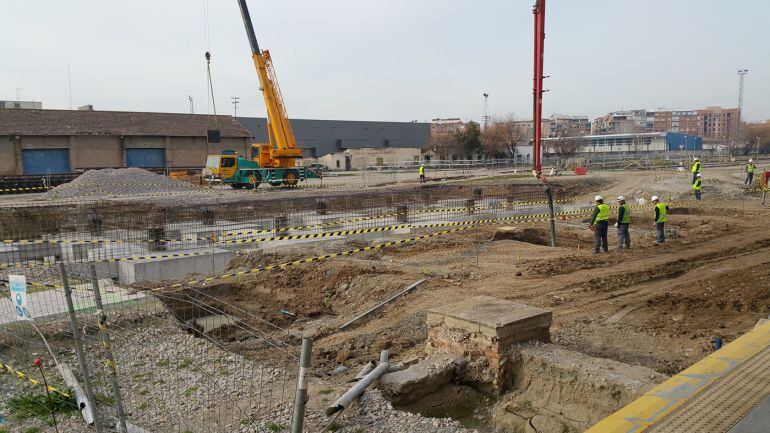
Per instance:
(18,285)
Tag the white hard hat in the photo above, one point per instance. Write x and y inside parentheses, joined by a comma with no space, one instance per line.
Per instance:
(598,197)
(620,197)
(697,174)
(696,159)
(655,197)
(751,160)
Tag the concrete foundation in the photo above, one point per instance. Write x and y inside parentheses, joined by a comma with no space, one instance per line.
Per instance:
(172,268)
(483,330)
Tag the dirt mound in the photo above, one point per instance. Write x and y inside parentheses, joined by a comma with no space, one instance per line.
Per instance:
(521,234)
(120,181)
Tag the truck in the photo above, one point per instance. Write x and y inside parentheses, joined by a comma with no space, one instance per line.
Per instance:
(240,172)
(274,162)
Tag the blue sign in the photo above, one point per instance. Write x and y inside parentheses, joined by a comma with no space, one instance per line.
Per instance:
(18,285)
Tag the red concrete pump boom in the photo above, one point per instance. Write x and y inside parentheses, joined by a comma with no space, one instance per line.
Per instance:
(537,91)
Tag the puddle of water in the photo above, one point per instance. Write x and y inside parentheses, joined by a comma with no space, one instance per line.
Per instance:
(461,403)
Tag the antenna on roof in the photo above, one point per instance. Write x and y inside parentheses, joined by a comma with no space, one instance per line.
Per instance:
(69,84)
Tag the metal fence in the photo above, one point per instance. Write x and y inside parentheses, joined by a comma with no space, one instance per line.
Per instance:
(158,359)
(167,352)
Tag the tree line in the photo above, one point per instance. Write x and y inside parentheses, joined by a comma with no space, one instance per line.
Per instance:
(499,139)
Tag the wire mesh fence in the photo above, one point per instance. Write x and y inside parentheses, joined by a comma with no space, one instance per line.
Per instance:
(156,359)
(133,298)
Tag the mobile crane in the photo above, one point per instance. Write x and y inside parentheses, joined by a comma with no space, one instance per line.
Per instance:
(274,162)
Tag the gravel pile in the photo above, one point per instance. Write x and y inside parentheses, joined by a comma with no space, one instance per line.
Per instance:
(120,181)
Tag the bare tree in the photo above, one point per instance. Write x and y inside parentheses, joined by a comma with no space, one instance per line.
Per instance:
(566,145)
(444,144)
(501,136)
(755,137)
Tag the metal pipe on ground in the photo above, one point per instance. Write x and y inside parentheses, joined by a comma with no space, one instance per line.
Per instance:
(358,389)
(381,304)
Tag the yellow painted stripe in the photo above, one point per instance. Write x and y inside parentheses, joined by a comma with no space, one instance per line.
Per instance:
(662,400)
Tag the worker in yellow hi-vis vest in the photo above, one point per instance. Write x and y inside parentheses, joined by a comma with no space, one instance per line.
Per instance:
(695,168)
(421,170)
(661,216)
(750,167)
(600,223)
(697,186)
(624,220)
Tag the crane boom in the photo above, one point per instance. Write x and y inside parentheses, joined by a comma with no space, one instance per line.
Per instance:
(281,151)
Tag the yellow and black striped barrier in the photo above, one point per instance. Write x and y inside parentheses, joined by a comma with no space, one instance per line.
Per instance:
(281,266)
(252,232)
(21,375)
(24,189)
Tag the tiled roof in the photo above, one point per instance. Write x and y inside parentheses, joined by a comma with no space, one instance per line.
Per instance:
(82,122)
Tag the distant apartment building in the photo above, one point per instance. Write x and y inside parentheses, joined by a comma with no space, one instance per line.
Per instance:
(446,126)
(622,122)
(558,125)
(714,124)
(21,105)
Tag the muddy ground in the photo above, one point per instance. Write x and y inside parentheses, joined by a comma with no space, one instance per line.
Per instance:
(658,306)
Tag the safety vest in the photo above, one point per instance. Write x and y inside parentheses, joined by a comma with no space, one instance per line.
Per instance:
(604,213)
(661,213)
(422,170)
(750,168)
(697,185)
(696,167)
(626,214)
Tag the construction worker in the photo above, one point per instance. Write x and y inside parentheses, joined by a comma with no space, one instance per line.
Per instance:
(421,170)
(695,168)
(750,167)
(624,220)
(661,211)
(697,186)
(600,221)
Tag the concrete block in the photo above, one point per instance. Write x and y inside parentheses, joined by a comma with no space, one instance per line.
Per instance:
(172,268)
(406,386)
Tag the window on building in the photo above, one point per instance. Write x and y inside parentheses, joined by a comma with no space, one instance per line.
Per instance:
(338,163)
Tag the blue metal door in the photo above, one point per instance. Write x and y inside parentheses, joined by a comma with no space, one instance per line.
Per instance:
(46,161)
(146,158)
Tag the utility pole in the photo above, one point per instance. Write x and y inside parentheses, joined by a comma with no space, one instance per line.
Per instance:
(18,93)
(235,100)
(741,74)
(485,115)
(192,109)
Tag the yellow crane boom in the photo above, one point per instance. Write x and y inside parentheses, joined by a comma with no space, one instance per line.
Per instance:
(281,150)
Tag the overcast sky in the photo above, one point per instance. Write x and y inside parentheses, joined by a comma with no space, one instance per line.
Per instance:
(396,60)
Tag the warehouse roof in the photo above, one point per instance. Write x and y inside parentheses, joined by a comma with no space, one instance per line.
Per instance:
(87,122)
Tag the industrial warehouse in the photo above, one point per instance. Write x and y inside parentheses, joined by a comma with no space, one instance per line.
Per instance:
(351,269)
(34,141)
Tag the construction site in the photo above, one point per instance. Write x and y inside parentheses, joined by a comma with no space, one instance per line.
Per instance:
(260,295)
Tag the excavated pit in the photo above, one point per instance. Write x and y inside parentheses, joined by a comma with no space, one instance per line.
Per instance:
(490,367)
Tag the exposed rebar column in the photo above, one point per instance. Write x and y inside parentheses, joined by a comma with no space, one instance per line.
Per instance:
(300,399)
